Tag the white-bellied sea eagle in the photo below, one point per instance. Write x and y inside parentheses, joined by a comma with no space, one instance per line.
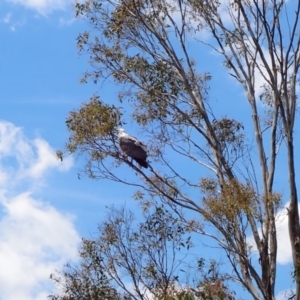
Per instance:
(132,147)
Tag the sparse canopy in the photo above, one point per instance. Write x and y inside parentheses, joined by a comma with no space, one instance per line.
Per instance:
(147,47)
(145,259)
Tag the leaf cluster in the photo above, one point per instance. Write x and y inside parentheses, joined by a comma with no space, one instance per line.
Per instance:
(93,128)
(141,260)
(234,199)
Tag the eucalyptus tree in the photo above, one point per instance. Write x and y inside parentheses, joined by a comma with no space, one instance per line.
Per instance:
(131,259)
(146,47)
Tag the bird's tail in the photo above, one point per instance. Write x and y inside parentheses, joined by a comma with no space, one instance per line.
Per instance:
(141,162)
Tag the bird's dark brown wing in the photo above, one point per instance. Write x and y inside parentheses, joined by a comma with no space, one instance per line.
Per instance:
(133,148)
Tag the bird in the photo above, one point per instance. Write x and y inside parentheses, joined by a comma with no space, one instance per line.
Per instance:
(133,148)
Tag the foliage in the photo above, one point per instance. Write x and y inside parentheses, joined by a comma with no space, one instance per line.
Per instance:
(145,47)
(138,260)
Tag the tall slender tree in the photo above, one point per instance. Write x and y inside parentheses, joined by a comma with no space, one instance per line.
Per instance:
(147,47)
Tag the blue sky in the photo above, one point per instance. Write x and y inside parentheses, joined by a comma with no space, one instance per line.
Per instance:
(45,208)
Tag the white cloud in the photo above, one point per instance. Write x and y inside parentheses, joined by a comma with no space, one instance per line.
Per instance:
(30,159)
(46,159)
(284,253)
(36,239)
(43,7)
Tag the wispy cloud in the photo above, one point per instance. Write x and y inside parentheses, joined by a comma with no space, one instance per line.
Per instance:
(31,158)
(36,238)
(285,294)
(43,7)
(45,160)
(66,22)
(12,24)
(6,19)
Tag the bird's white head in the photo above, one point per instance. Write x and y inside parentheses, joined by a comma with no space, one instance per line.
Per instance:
(121,132)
